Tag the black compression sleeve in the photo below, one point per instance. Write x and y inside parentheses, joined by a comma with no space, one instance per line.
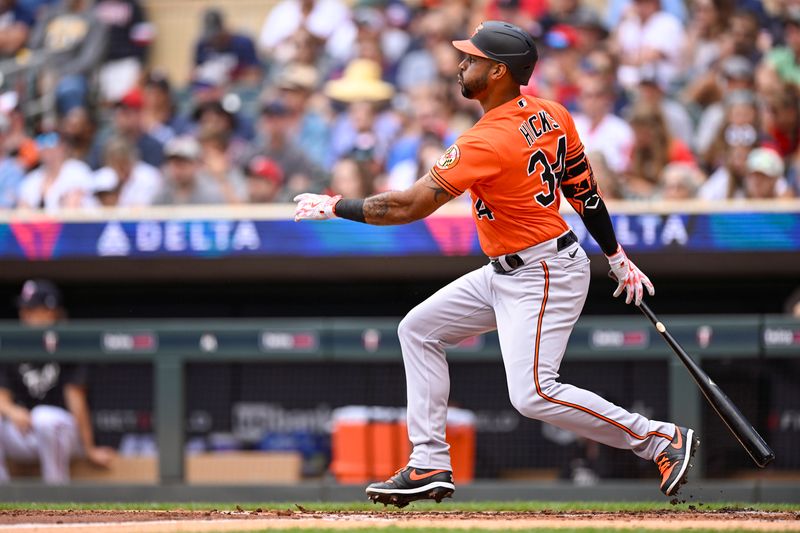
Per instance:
(351,209)
(598,222)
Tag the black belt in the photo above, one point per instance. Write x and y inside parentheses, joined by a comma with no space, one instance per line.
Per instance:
(515,261)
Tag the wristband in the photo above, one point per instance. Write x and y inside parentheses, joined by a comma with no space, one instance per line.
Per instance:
(351,209)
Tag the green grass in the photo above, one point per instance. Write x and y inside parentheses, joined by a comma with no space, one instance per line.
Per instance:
(445,506)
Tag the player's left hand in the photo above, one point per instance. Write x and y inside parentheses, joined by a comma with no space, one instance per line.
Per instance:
(629,277)
(315,206)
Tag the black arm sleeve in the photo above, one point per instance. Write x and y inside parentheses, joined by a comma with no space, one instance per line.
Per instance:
(598,222)
(580,190)
(350,209)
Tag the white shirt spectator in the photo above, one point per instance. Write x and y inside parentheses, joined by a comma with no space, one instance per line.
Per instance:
(140,189)
(343,44)
(74,176)
(612,137)
(403,175)
(716,186)
(679,122)
(711,121)
(287,17)
(662,32)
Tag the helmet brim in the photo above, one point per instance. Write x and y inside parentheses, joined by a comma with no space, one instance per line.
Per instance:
(468,47)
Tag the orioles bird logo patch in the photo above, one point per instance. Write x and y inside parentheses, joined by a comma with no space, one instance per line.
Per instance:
(478,28)
(450,158)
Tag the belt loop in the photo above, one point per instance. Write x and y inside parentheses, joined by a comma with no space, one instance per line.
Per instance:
(566,240)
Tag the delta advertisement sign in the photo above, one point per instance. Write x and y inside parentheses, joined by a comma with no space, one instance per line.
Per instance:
(51,239)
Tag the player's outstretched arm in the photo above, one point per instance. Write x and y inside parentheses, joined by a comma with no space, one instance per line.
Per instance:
(385,209)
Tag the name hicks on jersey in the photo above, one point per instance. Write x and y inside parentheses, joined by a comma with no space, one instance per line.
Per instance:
(531,131)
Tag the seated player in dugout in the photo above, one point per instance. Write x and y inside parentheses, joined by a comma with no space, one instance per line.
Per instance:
(516,162)
(45,414)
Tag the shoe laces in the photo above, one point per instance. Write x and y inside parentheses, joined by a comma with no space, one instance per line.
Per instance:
(391,478)
(396,472)
(663,463)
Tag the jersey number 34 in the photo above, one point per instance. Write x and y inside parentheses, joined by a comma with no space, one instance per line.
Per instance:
(551,173)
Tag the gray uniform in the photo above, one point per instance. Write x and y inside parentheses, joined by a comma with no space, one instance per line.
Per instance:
(534,309)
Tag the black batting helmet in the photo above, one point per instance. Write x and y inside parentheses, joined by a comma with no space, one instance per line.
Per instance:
(505,43)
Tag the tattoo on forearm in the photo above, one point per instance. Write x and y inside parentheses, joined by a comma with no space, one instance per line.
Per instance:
(376,207)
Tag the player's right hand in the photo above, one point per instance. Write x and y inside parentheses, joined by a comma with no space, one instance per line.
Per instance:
(101,456)
(315,206)
(629,277)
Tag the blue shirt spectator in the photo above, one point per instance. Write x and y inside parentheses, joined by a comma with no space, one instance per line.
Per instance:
(129,37)
(222,56)
(11,175)
(309,127)
(616,8)
(35,7)
(15,25)
(129,31)
(11,172)
(127,123)
(160,117)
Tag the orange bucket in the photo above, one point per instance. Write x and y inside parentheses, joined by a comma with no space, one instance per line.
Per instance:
(371,443)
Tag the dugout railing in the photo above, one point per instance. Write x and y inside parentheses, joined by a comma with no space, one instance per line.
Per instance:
(745,345)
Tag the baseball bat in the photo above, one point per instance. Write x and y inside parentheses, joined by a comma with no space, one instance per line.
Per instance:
(741,428)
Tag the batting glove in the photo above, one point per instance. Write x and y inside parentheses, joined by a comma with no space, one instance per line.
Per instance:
(315,206)
(629,277)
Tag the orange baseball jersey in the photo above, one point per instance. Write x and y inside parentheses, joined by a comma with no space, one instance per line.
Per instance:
(513,162)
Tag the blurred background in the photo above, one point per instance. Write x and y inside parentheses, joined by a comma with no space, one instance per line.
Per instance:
(164,321)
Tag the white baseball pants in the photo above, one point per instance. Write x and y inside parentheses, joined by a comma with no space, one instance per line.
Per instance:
(52,441)
(533,309)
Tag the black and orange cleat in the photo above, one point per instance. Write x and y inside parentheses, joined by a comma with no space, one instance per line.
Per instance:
(411,484)
(674,462)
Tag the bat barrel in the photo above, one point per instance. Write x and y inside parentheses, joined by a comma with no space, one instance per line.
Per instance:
(744,432)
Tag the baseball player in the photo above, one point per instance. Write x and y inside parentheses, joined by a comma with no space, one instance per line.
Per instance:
(44,414)
(515,162)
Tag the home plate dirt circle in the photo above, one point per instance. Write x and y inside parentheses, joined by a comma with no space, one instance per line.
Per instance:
(95,521)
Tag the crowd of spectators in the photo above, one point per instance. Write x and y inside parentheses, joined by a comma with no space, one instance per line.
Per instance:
(673,100)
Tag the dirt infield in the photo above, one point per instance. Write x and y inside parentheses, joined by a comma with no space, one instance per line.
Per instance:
(79,521)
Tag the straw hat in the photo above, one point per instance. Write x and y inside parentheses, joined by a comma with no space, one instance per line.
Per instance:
(361,82)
